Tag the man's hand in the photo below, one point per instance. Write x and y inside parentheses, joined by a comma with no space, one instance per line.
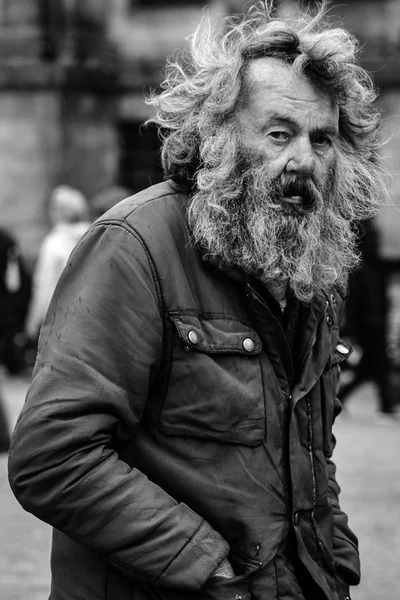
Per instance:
(224,569)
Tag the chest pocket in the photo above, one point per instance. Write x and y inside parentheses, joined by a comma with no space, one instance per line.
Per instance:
(215,388)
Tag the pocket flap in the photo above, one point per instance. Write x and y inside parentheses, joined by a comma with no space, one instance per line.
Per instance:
(214,334)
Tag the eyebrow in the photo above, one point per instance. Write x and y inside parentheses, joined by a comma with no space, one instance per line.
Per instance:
(288,120)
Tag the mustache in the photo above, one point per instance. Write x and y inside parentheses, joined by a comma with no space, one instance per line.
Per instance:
(287,191)
(289,186)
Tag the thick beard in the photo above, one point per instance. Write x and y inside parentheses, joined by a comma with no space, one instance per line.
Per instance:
(239,219)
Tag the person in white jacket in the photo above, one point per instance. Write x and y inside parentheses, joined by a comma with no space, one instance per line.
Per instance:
(69,213)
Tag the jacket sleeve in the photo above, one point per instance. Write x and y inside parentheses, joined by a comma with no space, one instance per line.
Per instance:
(345,543)
(99,352)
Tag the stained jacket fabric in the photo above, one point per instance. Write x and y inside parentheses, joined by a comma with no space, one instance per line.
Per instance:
(169,425)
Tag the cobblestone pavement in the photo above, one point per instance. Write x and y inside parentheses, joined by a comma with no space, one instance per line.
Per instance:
(367,457)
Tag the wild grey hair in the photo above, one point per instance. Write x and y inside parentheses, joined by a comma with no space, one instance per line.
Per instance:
(203,85)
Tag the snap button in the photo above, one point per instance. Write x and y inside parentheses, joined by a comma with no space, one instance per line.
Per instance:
(238,597)
(342,349)
(329,321)
(248,345)
(193,337)
(333,299)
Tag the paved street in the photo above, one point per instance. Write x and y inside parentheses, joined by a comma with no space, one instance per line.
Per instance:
(25,541)
(367,457)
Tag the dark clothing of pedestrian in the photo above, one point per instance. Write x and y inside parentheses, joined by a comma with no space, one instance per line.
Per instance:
(14,298)
(15,293)
(365,322)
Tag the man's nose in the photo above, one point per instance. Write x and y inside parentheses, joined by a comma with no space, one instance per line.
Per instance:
(302,159)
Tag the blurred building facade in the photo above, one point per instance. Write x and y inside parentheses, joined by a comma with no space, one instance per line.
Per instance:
(72,79)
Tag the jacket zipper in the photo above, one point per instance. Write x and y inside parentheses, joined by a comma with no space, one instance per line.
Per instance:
(313,474)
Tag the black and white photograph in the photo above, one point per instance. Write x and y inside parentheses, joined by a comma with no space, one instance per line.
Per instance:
(199,299)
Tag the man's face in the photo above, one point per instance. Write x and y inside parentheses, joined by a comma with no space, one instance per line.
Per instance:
(269,198)
(289,126)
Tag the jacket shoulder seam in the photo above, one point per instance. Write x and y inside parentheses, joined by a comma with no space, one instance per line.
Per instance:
(154,272)
(142,204)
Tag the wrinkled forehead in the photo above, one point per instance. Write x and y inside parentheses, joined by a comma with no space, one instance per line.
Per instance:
(270,83)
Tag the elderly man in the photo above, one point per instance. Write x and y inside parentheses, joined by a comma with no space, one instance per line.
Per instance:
(177,433)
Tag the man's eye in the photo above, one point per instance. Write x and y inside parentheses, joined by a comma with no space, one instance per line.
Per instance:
(280,136)
(322,141)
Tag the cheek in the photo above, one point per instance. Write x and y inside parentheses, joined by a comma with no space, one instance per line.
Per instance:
(258,152)
(275,158)
(325,168)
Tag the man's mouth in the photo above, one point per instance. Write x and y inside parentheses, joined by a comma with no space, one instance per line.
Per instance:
(293,199)
(299,202)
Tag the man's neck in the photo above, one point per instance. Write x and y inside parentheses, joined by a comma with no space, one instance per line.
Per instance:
(278,292)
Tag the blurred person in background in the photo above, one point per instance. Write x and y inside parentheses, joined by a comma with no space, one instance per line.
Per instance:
(177,433)
(69,215)
(106,199)
(365,325)
(15,290)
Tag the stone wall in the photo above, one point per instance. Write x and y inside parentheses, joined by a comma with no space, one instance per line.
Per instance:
(29,158)
(56,127)
(47,138)
(90,151)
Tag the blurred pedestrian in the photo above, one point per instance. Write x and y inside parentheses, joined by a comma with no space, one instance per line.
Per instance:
(365,323)
(15,289)
(4,427)
(15,295)
(69,215)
